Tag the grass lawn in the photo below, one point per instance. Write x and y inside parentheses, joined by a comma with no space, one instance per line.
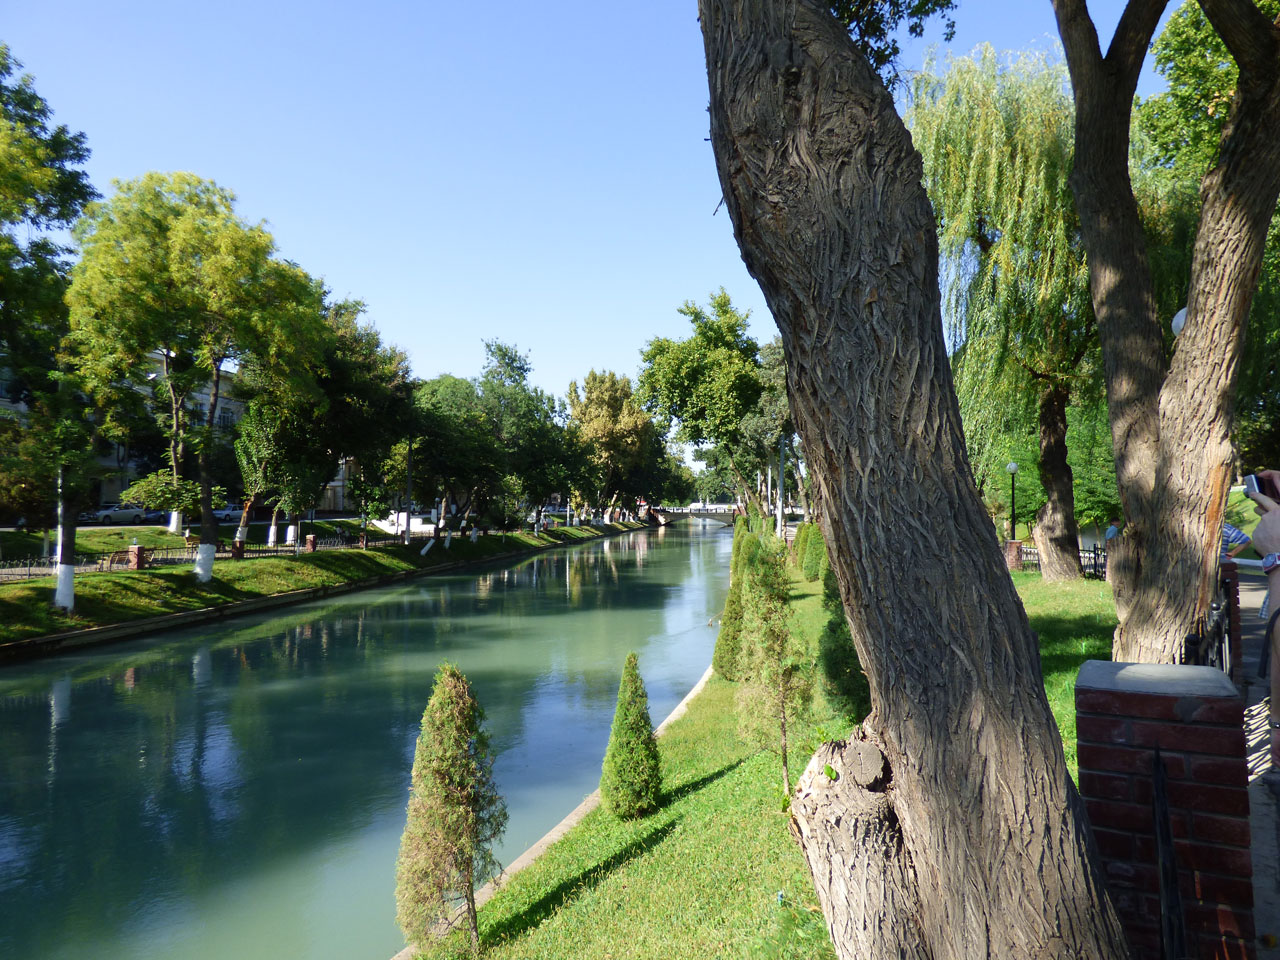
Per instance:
(105,598)
(702,876)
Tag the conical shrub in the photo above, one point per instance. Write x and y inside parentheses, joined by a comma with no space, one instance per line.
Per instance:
(727,654)
(801,541)
(815,555)
(631,780)
(455,814)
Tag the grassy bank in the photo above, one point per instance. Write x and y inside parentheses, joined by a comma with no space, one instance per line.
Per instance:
(102,599)
(703,875)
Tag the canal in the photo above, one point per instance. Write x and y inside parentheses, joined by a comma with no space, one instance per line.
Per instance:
(239,790)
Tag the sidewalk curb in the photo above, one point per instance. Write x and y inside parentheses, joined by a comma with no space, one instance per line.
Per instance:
(575,816)
(30,648)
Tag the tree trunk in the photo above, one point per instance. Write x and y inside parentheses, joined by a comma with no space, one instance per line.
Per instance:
(64,593)
(1171,419)
(1056,535)
(979,825)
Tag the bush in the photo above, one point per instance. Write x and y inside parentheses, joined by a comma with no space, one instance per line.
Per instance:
(843,681)
(455,814)
(729,641)
(798,545)
(631,780)
(815,555)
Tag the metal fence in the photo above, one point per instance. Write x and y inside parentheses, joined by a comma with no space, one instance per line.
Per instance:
(28,568)
(1092,560)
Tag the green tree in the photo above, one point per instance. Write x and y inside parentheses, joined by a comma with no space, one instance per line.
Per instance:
(1177,134)
(50,448)
(707,384)
(621,444)
(843,682)
(822,183)
(631,779)
(167,271)
(775,663)
(1171,403)
(996,139)
(455,815)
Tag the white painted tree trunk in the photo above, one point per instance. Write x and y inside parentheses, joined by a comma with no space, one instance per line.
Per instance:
(204,562)
(242,534)
(448,538)
(175,521)
(291,534)
(64,594)
(423,551)
(271,535)
(474,534)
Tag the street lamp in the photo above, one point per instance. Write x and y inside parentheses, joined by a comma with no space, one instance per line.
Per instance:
(1013,499)
(1178,322)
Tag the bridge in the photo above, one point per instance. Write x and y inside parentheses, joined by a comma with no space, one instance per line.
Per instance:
(722,513)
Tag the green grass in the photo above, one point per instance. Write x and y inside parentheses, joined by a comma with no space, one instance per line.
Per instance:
(1075,622)
(701,877)
(26,609)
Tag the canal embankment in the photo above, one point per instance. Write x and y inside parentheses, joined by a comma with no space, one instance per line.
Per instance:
(124,604)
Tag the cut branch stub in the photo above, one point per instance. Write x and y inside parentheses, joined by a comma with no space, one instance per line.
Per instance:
(850,835)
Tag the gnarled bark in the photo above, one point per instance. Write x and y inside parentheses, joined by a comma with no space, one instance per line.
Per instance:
(824,190)
(1171,418)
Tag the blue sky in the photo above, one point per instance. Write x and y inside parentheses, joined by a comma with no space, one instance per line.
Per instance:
(538,174)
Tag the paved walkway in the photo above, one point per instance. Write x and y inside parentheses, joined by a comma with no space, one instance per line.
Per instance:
(1264,779)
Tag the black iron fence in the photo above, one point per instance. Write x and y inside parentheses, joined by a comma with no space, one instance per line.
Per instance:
(1093,560)
(28,568)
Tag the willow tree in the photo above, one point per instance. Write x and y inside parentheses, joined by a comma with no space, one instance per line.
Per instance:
(996,142)
(1171,411)
(950,827)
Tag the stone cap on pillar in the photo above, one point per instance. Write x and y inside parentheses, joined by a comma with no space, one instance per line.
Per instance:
(1164,679)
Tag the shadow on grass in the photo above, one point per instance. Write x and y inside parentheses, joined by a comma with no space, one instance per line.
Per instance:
(1066,642)
(571,888)
(693,786)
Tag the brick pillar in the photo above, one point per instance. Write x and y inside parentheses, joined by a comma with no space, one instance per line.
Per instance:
(1013,554)
(1195,715)
(1230,574)
(137,557)
(310,543)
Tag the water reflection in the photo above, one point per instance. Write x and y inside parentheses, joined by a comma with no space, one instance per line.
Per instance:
(242,792)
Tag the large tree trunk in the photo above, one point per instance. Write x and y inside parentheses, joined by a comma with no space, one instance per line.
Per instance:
(1056,534)
(1171,419)
(978,821)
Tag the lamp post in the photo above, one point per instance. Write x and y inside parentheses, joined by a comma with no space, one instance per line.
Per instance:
(1013,499)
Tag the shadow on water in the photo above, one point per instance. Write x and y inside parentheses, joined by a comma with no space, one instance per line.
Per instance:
(570,889)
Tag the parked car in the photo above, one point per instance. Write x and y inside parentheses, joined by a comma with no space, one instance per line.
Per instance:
(231,512)
(115,513)
(156,516)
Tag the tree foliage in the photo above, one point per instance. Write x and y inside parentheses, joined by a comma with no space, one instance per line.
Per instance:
(631,778)
(725,658)
(455,814)
(774,664)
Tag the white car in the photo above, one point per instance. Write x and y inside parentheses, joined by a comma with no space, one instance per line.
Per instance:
(116,513)
(232,511)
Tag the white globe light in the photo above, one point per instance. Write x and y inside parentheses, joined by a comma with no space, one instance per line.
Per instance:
(1179,321)
(1012,467)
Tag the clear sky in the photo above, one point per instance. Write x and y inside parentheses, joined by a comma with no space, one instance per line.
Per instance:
(534,173)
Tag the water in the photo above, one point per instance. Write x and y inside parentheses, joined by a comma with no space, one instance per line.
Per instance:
(239,790)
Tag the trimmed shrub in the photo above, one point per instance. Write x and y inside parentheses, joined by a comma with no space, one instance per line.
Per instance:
(815,555)
(631,779)
(729,641)
(455,814)
(798,545)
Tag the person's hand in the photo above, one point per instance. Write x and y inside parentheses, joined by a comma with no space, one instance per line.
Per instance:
(1266,535)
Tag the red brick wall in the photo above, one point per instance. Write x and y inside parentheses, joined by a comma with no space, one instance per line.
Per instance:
(1196,716)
